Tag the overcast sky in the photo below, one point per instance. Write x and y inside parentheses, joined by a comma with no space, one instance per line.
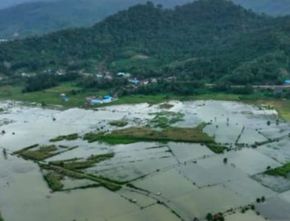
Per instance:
(8,3)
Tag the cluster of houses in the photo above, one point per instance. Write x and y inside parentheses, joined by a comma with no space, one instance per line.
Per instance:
(135,81)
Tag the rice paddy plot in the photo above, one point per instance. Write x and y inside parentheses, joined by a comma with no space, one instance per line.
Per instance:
(251,161)
(248,216)
(285,196)
(275,209)
(280,151)
(167,184)
(187,152)
(276,183)
(200,202)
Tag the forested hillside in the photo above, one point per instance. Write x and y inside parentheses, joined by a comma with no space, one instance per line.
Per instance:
(36,18)
(46,16)
(208,40)
(270,7)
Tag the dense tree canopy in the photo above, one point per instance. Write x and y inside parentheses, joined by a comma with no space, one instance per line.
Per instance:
(207,40)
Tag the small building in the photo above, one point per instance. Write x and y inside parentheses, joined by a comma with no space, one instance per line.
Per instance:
(99,76)
(107,99)
(134,81)
(145,82)
(60,72)
(64,97)
(287,82)
(95,101)
(123,74)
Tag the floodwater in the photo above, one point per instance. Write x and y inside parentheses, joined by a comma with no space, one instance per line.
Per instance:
(174,181)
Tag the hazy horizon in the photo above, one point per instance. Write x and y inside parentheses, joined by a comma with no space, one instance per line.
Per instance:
(9,3)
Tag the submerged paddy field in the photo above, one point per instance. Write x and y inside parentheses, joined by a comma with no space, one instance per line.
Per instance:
(201,160)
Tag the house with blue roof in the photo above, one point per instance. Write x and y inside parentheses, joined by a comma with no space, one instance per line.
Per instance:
(104,100)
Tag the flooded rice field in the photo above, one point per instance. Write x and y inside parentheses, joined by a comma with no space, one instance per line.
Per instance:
(50,171)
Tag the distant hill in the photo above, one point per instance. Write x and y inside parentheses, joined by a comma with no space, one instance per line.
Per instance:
(207,40)
(43,17)
(270,7)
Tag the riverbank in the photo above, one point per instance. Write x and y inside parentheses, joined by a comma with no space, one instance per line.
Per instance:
(77,97)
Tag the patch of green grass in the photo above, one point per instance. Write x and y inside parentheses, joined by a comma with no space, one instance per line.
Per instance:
(133,135)
(105,182)
(195,135)
(93,137)
(79,164)
(166,119)
(53,180)
(1,218)
(281,105)
(41,153)
(282,171)
(216,148)
(133,62)
(65,137)
(50,96)
(119,123)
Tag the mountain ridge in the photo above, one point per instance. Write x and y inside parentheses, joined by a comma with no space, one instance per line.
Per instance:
(219,39)
(43,17)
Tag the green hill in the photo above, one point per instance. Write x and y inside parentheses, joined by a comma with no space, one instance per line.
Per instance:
(43,17)
(270,7)
(206,40)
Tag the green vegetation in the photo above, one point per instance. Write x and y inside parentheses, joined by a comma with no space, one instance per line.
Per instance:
(206,41)
(37,153)
(194,135)
(1,218)
(282,171)
(216,148)
(93,137)
(41,152)
(53,180)
(118,123)
(133,135)
(56,171)
(77,164)
(166,119)
(215,217)
(65,137)
(73,169)
(27,19)
(49,96)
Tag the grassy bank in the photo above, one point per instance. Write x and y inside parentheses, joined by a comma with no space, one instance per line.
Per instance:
(37,153)
(52,97)
(53,180)
(65,137)
(133,135)
(194,135)
(283,171)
